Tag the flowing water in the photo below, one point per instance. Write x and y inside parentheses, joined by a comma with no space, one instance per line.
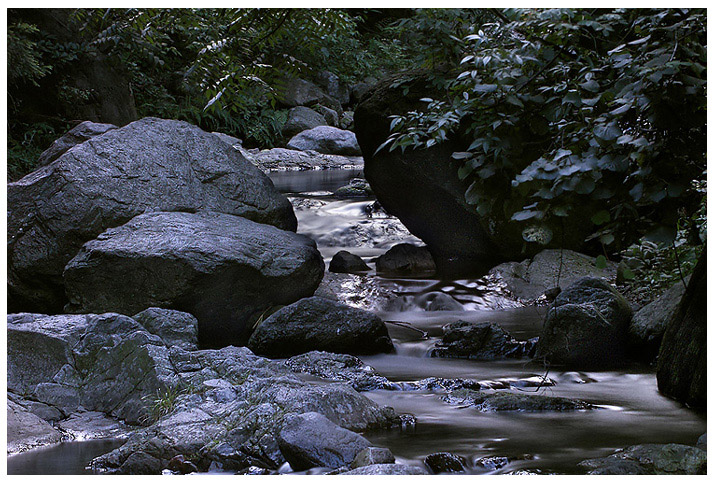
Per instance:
(630,409)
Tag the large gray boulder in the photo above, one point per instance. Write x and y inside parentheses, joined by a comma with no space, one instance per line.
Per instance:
(311,440)
(148,165)
(550,268)
(320,324)
(299,92)
(326,139)
(79,134)
(586,326)
(301,118)
(645,332)
(221,268)
(278,159)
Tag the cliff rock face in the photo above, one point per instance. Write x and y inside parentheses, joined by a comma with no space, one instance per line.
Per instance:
(682,361)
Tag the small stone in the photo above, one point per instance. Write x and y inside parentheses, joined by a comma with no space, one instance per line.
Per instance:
(182,465)
(446,463)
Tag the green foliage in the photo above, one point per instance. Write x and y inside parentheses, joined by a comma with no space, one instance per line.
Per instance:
(24,61)
(567,108)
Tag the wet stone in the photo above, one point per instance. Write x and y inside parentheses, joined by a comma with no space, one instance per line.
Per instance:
(446,463)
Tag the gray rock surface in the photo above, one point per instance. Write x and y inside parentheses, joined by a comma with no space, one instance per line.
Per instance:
(333,87)
(149,165)
(357,188)
(406,260)
(221,268)
(26,430)
(550,268)
(173,327)
(371,456)
(646,330)
(479,341)
(279,159)
(339,367)
(301,118)
(650,459)
(230,411)
(320,324)
(326,139)
(586,326)
(311,440)
(508,401)
(299,92)
(385,470)
(77,135)
(331,116)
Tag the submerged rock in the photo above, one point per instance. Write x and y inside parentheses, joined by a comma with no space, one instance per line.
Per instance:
(311,440)
(326,139)
(547,270)
(586,326)
(149,165)
(506,401)
(406,260)
(345,262)
(650,459)
(221,268)
(479,341)
(446,463)
(320,324)
(438,301)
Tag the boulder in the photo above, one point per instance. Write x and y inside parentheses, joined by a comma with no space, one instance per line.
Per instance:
(278,159)
(479,341)
(645,332)
(650,459)
(438,301)
(549,269)
(311,440)
(682,360)
(357,188)
(422,187)
(345,262)
(405,260)
(385,470)
(333,87)
(25,430)
(326,139)
(301,118)
(175,328)
(320,324)
(446,463)
(331,116)
(232,141)
(79,134)
(221,268)
(508,401)
(299,92)
(148,165)
(586,326)
(347,120)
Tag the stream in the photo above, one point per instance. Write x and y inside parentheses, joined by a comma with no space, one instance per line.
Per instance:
(630,409)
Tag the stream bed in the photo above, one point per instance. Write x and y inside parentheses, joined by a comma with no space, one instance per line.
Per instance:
(630,409)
